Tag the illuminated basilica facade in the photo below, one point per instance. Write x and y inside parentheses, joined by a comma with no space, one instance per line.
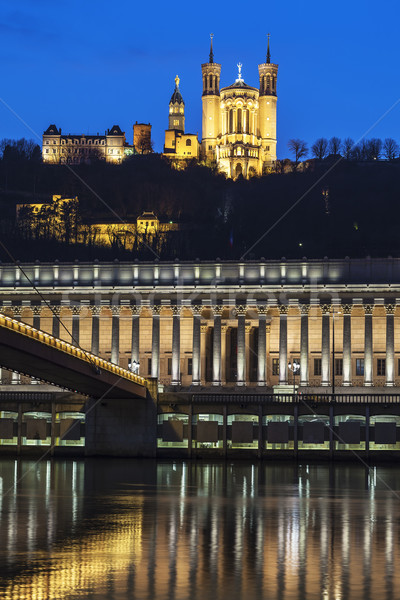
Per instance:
(239,121)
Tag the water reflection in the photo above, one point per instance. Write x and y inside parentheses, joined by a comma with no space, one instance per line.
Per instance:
(146,530)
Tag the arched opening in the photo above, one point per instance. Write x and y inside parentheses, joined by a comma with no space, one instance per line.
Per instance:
(211,85)
(268,83)
(239,121)
(252,172)
(231,121)
(188,142)
(238,170)
(247,130)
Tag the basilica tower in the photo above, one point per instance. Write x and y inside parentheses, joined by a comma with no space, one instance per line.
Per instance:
(268,73)
(211,125)
(176,118)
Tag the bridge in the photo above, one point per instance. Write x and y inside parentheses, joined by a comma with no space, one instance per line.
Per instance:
(32,352)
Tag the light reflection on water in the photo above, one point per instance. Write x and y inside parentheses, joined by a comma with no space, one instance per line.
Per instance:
(121,529)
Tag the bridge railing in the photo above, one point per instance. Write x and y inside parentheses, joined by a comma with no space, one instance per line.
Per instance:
(49,340)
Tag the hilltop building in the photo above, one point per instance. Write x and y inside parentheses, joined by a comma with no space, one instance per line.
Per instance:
(77,148)
(239,121)
(179,146)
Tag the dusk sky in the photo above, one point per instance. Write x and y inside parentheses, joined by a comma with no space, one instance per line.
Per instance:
(87,65)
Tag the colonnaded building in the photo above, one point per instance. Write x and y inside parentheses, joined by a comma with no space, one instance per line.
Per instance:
(222,341)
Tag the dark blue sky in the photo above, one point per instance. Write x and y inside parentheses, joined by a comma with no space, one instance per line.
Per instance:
(86,65)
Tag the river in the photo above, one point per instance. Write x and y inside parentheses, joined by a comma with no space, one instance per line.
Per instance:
(120,529)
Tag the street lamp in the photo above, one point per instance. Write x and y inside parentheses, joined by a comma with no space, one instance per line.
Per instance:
(294,366)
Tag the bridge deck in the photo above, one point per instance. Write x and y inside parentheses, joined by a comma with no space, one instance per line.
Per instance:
(38,354)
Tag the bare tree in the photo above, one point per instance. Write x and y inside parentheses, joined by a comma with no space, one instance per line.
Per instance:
(374,149)
(299,149)
(348,148)
(390,149)
(320,148)
(335,145)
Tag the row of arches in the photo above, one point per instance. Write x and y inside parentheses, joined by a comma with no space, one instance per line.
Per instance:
(211,83)
(268,84)
(239,121)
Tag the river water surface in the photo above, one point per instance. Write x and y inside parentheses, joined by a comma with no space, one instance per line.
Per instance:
(121,529)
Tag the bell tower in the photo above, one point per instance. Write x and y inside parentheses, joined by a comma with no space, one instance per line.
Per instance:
(268,73)
(211,127)
(176,119)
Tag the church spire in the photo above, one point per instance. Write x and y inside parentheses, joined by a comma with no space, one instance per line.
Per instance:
(211,49)
(268,51)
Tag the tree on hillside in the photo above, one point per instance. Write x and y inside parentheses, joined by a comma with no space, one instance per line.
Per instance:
(335,145)
(348,148)
(320,148)
(299,149)
(390,149)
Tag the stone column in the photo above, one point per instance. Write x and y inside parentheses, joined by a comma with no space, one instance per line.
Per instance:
(75,324)
(115,310)
(224,329)
(283,364)
(203,361)
(176,346)
(155,343)
(347,344)
(216,366)
(368,358)
(241,346)
(390,366)
(95,329)
(262,346)
(36,310)
(16,377)
(196,350)
(305,309)
(55,328)
(135,347)
(248,328)
(326,347)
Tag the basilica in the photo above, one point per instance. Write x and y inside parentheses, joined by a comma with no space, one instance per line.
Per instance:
(238,125)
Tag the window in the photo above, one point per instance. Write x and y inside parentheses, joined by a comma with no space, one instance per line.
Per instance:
(275,366)
(54,151)
(176,122)
(317,367)
(47,150)
(47,142)
(149,366)
(169,366)
(210,147)
(381,367)
(359,367)
(339,366)
(188,142)
(190,366)
(267,148)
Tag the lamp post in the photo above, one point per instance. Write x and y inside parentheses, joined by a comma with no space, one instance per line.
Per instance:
(294,366)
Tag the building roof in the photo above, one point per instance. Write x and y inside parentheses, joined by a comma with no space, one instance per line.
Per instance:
(147,216)
(239,84)
(115,130)
(176,97)
(52,130)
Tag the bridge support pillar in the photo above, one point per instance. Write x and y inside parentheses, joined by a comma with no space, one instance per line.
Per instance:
(120,427)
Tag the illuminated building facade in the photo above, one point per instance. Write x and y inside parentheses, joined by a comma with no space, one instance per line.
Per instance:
(239,121)
(77,148)
(179,146)
(220,339)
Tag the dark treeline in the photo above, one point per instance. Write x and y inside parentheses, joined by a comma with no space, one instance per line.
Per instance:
(349,210)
